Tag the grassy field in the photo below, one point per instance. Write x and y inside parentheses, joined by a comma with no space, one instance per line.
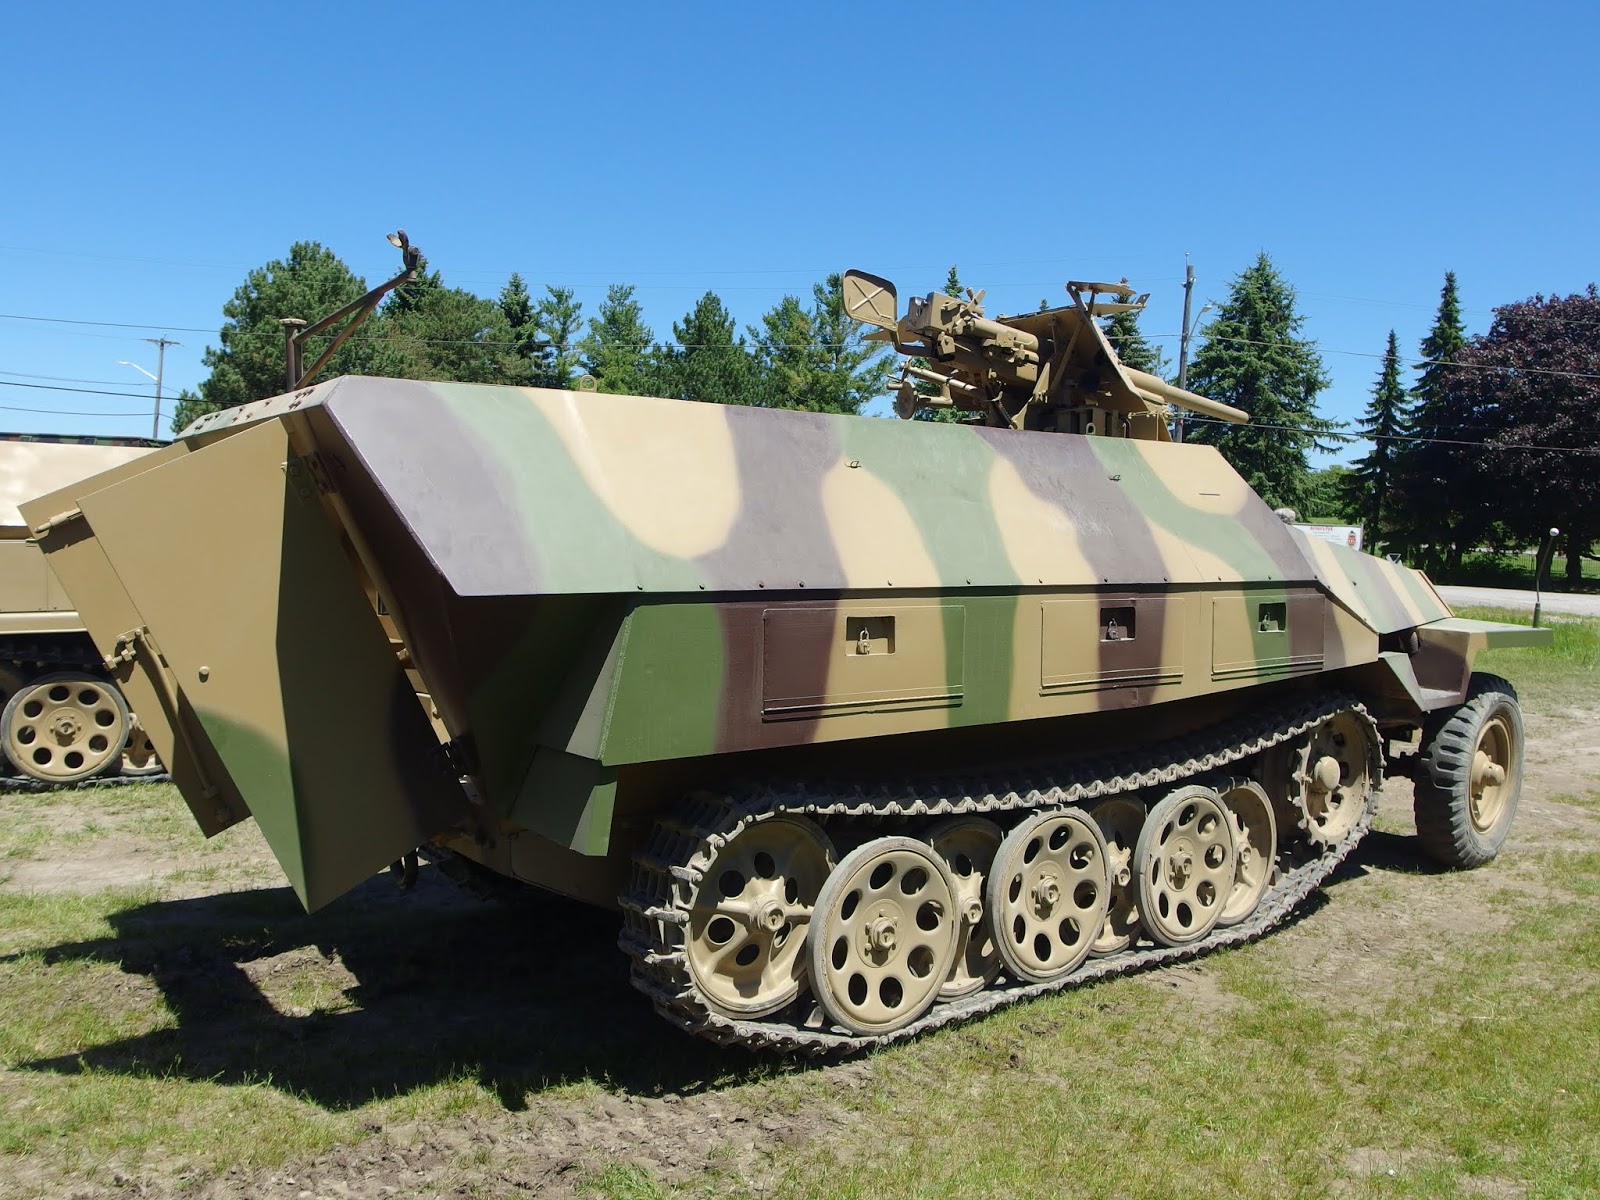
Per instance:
(171,1024)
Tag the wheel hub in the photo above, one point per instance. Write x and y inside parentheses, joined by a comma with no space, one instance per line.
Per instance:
(880,937)
(1046,894)
(1180,865)
(1325,774)
(64,724)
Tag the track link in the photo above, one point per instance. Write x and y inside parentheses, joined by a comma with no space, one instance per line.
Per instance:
(24,783)
(668,869)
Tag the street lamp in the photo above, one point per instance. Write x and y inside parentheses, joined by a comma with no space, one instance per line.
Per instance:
(161,344)
(1546,553)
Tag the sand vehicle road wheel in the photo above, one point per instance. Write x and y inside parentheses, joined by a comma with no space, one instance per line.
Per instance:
(1120,821)
(64,727)
(1049,893)
(1331,778)
(884,936)
(1255,841)
(139,758)
(747,926)
(1186,865)
(967,847)
(1471,777)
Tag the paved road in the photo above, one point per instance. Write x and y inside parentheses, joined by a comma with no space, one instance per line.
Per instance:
(1554,602)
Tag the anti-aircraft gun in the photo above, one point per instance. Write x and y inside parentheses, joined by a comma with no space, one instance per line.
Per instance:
(1050,370)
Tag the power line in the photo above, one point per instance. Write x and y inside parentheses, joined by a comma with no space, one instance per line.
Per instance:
(45,387)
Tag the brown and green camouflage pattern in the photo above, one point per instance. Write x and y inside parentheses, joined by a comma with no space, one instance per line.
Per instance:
(604,599)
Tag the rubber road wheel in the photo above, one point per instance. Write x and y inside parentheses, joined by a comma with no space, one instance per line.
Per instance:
(1471,777)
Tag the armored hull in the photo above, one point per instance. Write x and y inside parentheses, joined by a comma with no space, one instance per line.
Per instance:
(862,725)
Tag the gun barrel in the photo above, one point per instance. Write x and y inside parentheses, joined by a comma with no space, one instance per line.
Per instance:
(1160,390)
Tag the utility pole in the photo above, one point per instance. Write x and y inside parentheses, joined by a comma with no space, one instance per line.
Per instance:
(1183,341)
(161,343)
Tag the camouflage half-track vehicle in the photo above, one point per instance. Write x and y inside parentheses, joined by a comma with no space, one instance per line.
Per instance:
(864,725)
(62,719)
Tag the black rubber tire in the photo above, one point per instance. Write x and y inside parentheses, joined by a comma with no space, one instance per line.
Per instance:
(1443,803)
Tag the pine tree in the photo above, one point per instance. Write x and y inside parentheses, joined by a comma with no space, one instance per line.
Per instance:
(1368,489)
(708,362)
(952,283)
(1132,347)
(851,369)
(817,358)
(616,350)
(517,307)
(1254,359)
(309,283)
(1436,487)
(556,320)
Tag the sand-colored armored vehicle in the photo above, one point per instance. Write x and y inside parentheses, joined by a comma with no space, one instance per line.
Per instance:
(62,719)
(864,725)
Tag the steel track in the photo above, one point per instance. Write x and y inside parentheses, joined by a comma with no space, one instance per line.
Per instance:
(668,871)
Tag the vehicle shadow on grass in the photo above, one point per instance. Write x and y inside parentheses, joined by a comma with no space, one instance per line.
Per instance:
(434,987)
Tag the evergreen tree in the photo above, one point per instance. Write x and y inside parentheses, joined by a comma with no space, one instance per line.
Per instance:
(516,305)
(1132,347)
(1368,489)
(818,358)
(952,283)
(1254,359)
(1436,478)
(438,332)
(557,320)
(851,370)
(309,283)
(617,349)
(708,362)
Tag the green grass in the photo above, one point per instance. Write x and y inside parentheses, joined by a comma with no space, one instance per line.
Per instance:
(172,1038)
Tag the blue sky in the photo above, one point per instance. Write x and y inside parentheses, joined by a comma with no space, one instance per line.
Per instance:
(153,155)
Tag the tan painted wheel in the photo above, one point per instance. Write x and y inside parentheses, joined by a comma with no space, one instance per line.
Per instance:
(748,924)
(1255,840)
(1186,865)
(139,755)
(967,847)
(64,727)
(1120,822)
(1330,779)
(1471,777)
(1048,894)
(885,935)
